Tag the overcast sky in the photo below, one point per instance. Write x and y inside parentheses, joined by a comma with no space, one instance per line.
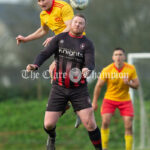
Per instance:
(14,1)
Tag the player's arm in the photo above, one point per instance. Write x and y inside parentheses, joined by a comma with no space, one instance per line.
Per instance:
(89,59)
(48,40)
(40,32)
(67,15)
(134,83)
(67,23)
(44,55)
(97,92)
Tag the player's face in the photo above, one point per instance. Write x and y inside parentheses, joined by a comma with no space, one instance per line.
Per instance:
(118,57)
(77,26)
(45,4)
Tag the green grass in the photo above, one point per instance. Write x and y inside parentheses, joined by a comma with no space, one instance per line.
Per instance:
(21,127)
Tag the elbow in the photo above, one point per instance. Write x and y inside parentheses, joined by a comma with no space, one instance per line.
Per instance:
(44,32)
(137,86)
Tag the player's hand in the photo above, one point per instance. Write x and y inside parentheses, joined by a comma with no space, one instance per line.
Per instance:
(126,81)
(31,67)
(47,41)
(94,106)
(51,70)
(20,39)
(85,72)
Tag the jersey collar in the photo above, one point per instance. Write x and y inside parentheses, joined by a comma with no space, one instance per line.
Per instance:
(79,37)
(119,70)
(49,11)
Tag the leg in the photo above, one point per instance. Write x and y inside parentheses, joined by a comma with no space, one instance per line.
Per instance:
(50,126)
(107,111)
(87,117)
(51,119)
(127,112)
(66,108)
(56,104)
(106,118)
(128,132)
(78,122)
(82,106)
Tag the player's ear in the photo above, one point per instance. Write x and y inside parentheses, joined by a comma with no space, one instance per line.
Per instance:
(113,56)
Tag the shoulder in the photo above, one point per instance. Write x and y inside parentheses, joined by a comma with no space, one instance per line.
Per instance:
(129,66)
(62,35)
(60,3)
(108,68)
(43,13)
(88,41)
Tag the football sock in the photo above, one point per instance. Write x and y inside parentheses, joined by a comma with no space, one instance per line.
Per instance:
(51,133)
(105,137)
(95,138)
(128,142)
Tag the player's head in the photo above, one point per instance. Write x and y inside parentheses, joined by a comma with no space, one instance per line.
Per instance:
(45,4)
(78,23)
(118,55)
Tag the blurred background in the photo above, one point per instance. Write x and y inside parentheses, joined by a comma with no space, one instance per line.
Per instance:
(111,24)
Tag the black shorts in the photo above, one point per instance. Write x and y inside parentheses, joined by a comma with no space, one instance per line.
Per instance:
(59,97)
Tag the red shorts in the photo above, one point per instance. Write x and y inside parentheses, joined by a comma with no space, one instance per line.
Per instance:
(125,107)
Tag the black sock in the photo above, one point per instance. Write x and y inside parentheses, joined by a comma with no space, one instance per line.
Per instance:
(51,133)
(95,137)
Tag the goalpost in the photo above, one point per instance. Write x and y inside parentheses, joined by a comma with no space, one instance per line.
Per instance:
(141,121)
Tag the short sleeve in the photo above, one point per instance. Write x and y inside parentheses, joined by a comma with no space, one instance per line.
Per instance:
(134,74)
(41,18)
(67,12)
(103,75)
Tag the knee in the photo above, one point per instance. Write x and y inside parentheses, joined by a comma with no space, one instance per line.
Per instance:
(90,125)
(128,129)
(49,125)
(105,124)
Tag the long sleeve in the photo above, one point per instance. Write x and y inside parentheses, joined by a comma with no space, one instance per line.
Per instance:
(89,57)
(47,52)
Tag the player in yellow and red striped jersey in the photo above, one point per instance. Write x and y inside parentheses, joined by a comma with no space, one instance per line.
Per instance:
(119,77)
(56,15)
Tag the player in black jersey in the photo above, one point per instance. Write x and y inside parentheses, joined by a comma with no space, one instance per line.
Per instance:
(74,55)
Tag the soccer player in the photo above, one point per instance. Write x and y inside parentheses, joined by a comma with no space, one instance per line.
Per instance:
(56,15)
(74,54)
(119,77)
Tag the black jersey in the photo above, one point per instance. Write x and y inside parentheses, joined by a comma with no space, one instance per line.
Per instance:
(71,55)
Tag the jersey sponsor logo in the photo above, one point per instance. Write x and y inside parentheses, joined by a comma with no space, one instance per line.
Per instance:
(58,19)
(70,52)
(82,46)
(61,41)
